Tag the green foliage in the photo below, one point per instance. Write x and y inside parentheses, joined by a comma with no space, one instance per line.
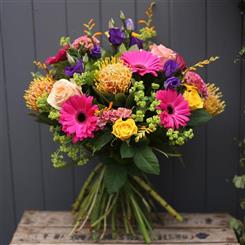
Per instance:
(76,152)
(64,41)
(54,114)
(84,78)
(126,150)
(42,103)
(198,117)
(115,177)
(101,141)
(146,160)
(239,181)
(239,227)
(179,138)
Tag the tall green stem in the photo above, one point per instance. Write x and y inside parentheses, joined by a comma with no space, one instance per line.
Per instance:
(85,186)
(158,198)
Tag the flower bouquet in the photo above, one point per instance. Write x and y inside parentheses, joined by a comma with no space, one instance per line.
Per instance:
(122,105)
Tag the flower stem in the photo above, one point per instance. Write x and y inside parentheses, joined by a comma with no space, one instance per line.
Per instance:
(140,220)
(85,186)
(158,198)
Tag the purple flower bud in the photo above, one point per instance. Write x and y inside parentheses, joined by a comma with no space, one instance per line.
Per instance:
(77,68)
(116,36)
(129,24)
(171,83)
(137,41)
(95,52)
(170,67)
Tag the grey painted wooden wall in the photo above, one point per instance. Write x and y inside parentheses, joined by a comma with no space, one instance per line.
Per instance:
(30,30)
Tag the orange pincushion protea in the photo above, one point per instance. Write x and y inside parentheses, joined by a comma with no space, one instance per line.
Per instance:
(214,104)
(113,76)
(39,87)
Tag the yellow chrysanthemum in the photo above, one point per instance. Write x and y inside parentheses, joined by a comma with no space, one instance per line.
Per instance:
(113,76)
(214,103)
(38,87)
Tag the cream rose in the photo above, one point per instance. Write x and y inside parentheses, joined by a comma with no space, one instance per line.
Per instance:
(163,53)
(61,91)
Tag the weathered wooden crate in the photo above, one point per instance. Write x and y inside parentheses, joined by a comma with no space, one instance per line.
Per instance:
(48,227)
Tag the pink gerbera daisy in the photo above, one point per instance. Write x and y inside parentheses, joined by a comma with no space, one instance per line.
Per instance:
(77,117)
(142,62)
(175,109)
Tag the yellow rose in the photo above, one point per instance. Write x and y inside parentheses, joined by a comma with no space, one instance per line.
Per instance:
(124,129)
(193,98)
(61,91)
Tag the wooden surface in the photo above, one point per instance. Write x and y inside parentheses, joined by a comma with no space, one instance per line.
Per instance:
(49,227)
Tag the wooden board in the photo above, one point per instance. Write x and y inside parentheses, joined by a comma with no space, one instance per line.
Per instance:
(49,227)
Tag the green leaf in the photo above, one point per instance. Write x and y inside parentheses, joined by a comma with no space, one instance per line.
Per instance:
(102,140)
(126,150)
(146,160)
(115,177)
(198,117)
(130,101)
(119,99)
(122,48)
(134,47)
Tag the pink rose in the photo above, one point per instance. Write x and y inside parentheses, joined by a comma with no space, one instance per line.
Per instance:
(163,53)
(60,56)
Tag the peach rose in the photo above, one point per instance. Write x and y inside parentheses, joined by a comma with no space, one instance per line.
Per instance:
(61,91)
(163,53)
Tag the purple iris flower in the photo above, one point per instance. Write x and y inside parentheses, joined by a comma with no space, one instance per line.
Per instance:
(170,67)
(129,24)
(95,52)
(77,68)
(137,41)
(116,36)
(172,83)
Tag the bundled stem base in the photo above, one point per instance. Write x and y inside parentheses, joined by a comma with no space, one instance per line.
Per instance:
(128,211)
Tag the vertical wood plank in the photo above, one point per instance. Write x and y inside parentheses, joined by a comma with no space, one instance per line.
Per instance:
(188,38)
(222,156)
(164,182)
(78,13)
(24,133)
(7,205)
(57,182)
